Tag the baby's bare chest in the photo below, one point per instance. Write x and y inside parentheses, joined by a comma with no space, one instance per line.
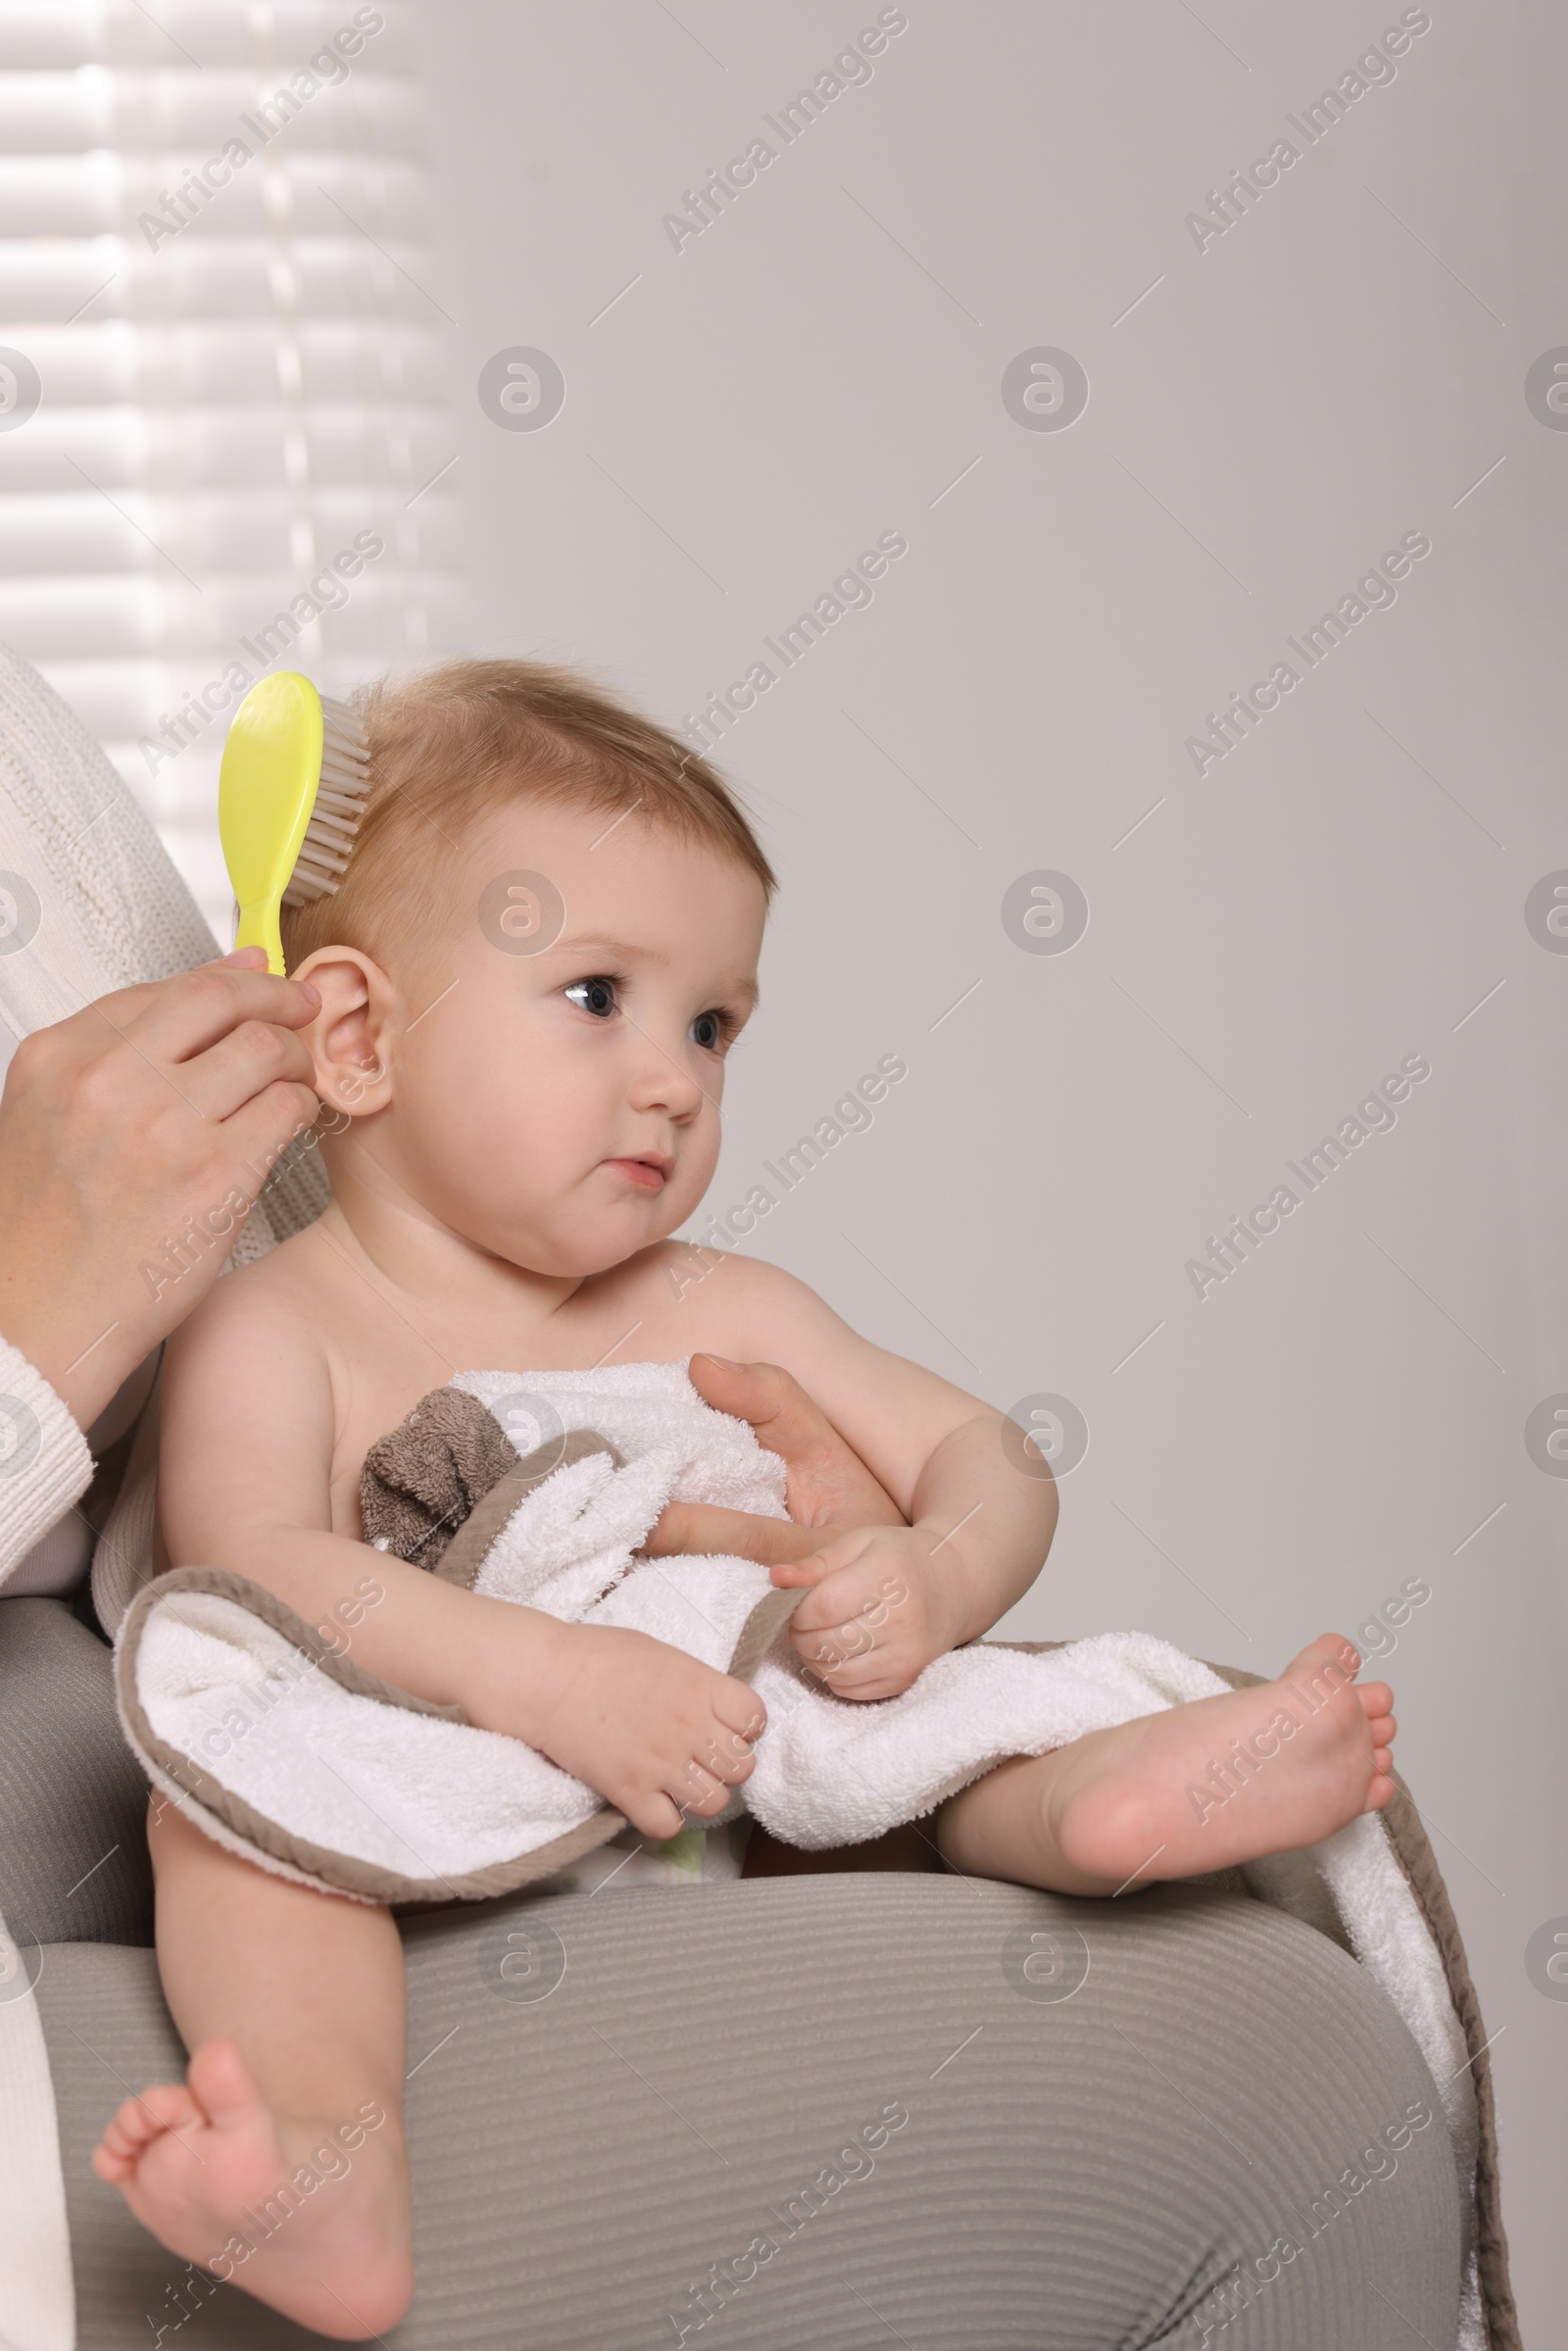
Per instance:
(383,1363)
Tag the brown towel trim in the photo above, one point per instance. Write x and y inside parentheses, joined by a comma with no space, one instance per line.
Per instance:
(424,1484)
(469,1547)
(1412,1851)
(761,1630)
(420,1481)
(335,1872)
(1418,1866)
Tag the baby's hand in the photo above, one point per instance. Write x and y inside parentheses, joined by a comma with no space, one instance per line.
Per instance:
(659,1734)
(883,1607)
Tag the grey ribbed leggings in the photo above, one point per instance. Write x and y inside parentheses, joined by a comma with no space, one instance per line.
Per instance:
(827,2113)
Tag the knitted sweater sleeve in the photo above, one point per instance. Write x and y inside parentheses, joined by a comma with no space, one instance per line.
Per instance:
(44,1462)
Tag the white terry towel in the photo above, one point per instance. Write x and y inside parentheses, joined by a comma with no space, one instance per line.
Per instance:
(829,1770)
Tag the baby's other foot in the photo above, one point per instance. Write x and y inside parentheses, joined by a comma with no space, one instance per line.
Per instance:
(205,2165)
(1228,1779)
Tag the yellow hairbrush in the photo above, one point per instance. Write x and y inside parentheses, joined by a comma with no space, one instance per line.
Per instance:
(291,793)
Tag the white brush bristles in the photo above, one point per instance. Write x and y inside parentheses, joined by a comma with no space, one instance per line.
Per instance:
(340,799)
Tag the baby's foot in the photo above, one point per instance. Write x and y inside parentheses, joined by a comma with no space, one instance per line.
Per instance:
(205,2166)
(1226,1779)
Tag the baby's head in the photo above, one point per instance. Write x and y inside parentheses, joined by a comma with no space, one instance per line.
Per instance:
(543,947)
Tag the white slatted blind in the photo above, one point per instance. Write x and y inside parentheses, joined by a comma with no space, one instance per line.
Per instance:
(211,266)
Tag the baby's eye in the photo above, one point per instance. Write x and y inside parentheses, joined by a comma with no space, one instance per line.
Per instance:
(596,995)
(711,1031)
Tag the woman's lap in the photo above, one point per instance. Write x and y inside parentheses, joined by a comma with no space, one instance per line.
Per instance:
(611,2094)
(74,1863)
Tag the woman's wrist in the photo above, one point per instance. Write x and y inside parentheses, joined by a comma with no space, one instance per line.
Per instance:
(83,1379)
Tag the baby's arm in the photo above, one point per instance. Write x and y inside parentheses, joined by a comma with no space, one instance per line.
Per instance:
(888,1600)
(245,1483)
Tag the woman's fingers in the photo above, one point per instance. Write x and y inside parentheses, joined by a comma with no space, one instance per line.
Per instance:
(255,1054)
(258,1134)
(829,1485)
(178,1018)
(696,1528)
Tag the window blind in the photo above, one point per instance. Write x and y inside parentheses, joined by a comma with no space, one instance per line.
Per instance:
(222,446)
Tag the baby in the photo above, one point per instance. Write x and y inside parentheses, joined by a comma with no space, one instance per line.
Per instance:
(543,949)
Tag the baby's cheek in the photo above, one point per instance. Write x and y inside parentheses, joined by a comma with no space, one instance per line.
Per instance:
(696,1158)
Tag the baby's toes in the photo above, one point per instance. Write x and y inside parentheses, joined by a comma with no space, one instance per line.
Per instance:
(139,2119)
(1383,1728)
(168,2106)
(1378,1792)
(1376,1698)
(131,2129)
(114,2159)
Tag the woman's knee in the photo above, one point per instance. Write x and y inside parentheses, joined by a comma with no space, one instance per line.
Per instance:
(1313,2130)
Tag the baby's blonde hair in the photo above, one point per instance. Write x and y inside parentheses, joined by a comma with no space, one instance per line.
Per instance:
(453,743)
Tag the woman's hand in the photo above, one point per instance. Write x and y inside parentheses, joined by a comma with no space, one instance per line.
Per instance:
(134,1138)
(826,1482)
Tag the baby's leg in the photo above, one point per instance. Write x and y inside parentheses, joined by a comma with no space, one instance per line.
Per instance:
(280,2163)
(1194,1788)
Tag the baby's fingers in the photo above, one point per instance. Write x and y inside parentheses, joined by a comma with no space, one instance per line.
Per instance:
(739,1710)
(828,1649)
(697,1791)
(726,1756)
(654,1814)
(792,1574)
(840,1599)
(874,1675)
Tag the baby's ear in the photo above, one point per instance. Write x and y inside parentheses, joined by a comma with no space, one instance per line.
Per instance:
(350,1037)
